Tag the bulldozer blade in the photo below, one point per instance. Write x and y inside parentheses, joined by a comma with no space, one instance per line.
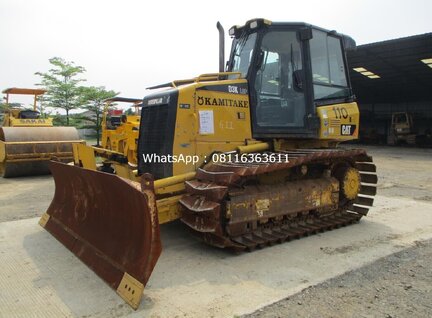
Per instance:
(109,223)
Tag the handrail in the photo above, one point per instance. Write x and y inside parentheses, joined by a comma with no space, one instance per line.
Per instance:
(205,77)
(217,75)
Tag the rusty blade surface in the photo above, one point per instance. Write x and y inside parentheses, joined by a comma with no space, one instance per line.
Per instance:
(211,191)
(108,222)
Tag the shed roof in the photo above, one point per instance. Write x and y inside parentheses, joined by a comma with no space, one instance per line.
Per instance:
(404,67)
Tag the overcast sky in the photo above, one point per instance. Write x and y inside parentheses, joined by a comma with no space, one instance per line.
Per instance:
(130,45)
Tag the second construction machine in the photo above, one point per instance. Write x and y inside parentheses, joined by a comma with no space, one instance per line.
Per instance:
(245,158)
(28,141)
(119,141)
(120,133)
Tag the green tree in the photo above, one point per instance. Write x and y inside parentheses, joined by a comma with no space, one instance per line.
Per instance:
(62,85)
(40,106)
(129,111)
(59,119)
(93,99)
(3,107)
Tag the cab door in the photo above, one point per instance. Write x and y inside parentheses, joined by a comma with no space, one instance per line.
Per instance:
(279,106)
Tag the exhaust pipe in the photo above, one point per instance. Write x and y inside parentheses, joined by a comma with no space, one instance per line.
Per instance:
(221,47)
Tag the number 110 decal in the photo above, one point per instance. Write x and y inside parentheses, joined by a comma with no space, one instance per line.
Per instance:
(340,112)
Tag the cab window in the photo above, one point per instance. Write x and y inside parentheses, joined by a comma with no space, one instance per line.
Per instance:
(328,69)
(280,102)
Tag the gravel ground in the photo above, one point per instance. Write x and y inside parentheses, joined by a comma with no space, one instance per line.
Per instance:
(25,197)
(399,285)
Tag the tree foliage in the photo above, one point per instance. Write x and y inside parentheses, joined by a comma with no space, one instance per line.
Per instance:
(3,107)
(93,100)
(42,102)
(62,85)
(130,111)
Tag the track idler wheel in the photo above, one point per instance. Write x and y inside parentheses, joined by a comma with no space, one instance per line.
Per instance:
(349,178)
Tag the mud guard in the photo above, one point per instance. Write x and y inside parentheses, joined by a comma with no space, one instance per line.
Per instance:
(109,223)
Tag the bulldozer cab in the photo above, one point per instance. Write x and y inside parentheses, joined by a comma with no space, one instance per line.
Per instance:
(402,119)
(114,118)
(402,125)
(291,68)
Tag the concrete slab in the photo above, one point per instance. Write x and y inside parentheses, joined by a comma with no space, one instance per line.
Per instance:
(41,278)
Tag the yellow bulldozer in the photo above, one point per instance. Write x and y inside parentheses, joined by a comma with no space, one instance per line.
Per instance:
(119,142)
(28,141)
(245,158)
(120,131)
(410,129)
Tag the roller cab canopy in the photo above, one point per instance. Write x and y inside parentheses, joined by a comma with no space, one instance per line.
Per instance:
(24,91)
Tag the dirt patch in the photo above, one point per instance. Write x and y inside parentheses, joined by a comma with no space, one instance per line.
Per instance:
(403,172)
(395,286)
(25,197)
(424,198)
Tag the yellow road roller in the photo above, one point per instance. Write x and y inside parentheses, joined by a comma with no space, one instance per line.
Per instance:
(28,141)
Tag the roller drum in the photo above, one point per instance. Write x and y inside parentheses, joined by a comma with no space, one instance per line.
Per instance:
(26,150)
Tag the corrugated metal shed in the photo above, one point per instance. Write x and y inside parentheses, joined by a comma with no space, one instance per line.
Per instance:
(402,75)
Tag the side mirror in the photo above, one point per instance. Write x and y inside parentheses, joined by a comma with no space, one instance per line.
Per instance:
(298,77)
